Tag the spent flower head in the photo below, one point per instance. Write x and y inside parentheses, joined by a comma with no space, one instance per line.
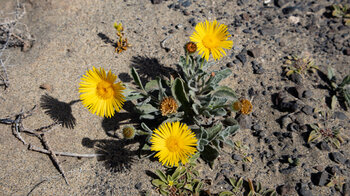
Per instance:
(168,106)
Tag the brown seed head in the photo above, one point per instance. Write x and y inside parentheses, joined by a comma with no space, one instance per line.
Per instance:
(237,106)
(191,47)
(247,107)
(129,132)
(168,106)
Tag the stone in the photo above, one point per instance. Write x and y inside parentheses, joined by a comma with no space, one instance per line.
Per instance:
(305,192)
(242,57)
(268,31)
(229,64)
(322,178)
(347,52)
(289,10)
(346,189)
(285,189)
(294,19)
(138,185)
(237,157)
(308,110)
(347,163)
(157,1)
(307,94)
(281,3)
(255,52)
(179,26)
(187,3)
(295,77)
(340,116)
(288,170)
(337,157)
(245,121)
(324,146)
(299,91)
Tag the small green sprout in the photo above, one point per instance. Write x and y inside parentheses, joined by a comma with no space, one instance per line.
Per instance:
(332,135)
(243,150)
(122,43)
(342,11)
(338,91)
(295,64)
(337,182)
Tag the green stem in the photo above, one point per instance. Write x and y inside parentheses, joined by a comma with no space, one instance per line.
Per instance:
(202,63)
(187,56)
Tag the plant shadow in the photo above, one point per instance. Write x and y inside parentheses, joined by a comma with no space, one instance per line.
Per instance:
(149,68)
(58,111)
(107,40)
(115,156)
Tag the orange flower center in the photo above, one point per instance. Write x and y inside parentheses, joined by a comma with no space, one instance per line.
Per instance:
(105,89)
(173,144)
(210,41)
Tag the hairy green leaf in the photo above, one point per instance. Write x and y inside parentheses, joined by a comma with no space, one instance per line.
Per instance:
(147,108)
(220,75)
(147,116)
(151,85)
(225,92)
(136,78)
(333,102)
(158,182)
(226,193)
(146,128)
(330,74)
(209,155)
(161,175)
(214,131)
(179,93)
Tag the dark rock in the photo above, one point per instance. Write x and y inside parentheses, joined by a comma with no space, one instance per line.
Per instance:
(285,121)
(324,146)
(347,163)
(247,31)
(307,94)
(340,116)
(256,127)
(187,3)
(179,26)
(289,10)
(157,1)
(319,168)
(251,92)
(281,3)
(337,157)
(229,64)
(138,185)
(244,121)
(186,12)
(308,110)
(346,189)
(242,57)
(245,16)
(299,91)
(290,106)
(294,127)
(322,178)
(347,52)
(333,170)
(237,157)
(192,21)
(295,77)
(288,170)
(255,52)
(257,68)
(305,192)
(299,119)
(285,189)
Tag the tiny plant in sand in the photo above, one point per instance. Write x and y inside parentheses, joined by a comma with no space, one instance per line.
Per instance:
(337,182)
(298,65)
(342,11)
(180,181)
(329,135)
(122,43)
(194,96)
(338,91)
(243,150)
(255,189)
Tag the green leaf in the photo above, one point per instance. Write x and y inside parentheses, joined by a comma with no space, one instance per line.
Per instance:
(202,143)
(179,93)
(225,92)
(240,182)
(226,193)
(333,102)
(220,75)
(346,81)
(163,192)
(158,182)
(214,131)
(147,108)
(336,142)
(178,173)
(330,74)
(136,78)
(146,128)
(151,85)
(209,155)
(188,187)
(198,187)
(346,95)
(195,108)
(314,135)
(161,175)
(220,112)
(147,116)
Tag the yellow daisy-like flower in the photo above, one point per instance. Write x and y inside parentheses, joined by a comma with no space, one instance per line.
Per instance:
(175,142)
(100,94)
(211,37)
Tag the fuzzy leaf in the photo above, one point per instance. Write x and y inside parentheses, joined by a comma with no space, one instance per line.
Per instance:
(209,155)
(161,176)
(314,135)
(346,95)
(158,182)
(147,108)
(220,112)
(330,74)
(346,81)
(225,92)
(214,131)
(151,85)
(239,183)
(314,127)
(195,108)
(147,116)
(178,173)
(198,187)
(146,128)
(290,72)
(179,93)
(220,75)
(136,78)
(163,192)
(336,142)
(226,193)
(201,144)
(333,102)
(188,187)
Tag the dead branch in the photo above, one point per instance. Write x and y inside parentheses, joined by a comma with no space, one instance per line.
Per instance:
(67,154)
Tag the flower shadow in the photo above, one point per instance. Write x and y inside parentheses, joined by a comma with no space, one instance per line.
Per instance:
(115,156)
(58,111)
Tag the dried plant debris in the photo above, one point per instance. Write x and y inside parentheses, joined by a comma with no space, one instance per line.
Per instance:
(329,135)
(343,12)
(298,65)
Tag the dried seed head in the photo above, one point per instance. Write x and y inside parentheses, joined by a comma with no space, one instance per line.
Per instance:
(191,47)
(129,132)
(236,106)
(168,106)
(247,107)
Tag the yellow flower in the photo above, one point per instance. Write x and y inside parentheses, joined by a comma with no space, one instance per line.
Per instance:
(211,37)
(175,142)
(168,106)
(118,27)
(100,94)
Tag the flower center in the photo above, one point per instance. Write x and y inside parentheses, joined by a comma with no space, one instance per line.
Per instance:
(173,144)
(210,41)
(105,90)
